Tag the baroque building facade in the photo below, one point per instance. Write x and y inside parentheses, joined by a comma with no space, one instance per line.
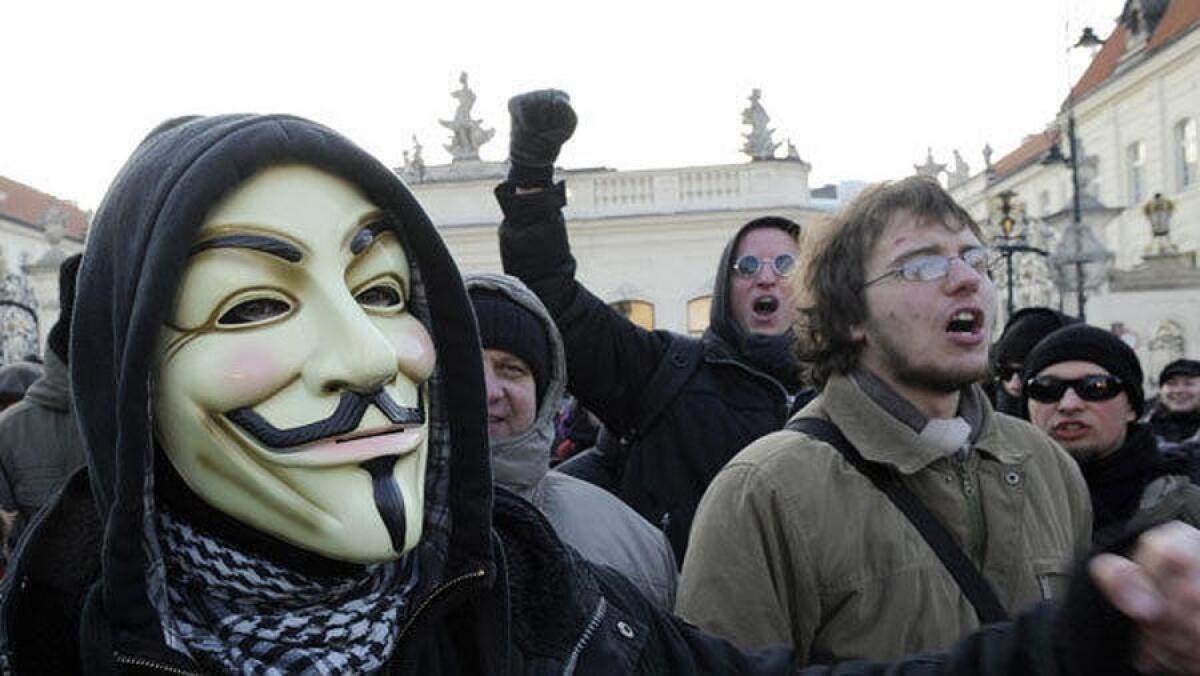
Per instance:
(647,242)
(1135,113)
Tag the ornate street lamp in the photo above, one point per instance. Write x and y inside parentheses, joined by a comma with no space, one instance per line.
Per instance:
(1080,260)
(1010,242)
(1158,211)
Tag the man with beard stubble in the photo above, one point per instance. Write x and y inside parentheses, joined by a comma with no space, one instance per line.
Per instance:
(793,544)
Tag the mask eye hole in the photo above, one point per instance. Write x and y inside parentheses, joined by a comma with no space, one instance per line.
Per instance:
(381,295)
(254,311)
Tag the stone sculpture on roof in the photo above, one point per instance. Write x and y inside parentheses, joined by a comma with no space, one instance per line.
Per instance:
(759,145)
(931,168)
(467,134)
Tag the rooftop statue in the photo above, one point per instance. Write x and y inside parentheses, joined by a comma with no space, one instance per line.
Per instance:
(467,134)
(759,145)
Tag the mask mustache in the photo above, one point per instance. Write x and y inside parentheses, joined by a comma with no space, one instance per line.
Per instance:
(346,418)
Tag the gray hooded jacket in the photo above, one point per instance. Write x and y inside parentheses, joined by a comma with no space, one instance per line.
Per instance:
(39,444)
(599,526)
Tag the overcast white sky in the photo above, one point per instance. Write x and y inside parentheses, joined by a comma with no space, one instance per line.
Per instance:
(861,88)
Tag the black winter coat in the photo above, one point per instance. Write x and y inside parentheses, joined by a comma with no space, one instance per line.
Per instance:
(724,404)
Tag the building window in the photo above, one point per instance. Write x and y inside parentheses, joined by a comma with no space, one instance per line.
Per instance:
(698,311)
(1135,161)
(1187,153)
(637,311)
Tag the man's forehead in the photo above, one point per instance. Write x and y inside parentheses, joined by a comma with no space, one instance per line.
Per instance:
(905,230)
(766,235)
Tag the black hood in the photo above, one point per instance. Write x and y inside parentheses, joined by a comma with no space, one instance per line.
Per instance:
(773,355)
(137,248)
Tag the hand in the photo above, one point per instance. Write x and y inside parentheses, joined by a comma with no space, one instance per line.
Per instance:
(542,121)
(1160,590)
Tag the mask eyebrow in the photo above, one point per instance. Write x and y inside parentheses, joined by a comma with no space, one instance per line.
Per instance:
(366,235)
(264,243)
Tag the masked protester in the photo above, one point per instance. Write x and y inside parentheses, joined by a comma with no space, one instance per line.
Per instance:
(680,407)
(526,375)
(1083,387)
(276,375)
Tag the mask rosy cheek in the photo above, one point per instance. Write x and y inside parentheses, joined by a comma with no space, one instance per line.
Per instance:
(247,372)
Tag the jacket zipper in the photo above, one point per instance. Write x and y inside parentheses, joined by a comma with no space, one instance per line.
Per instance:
(593,625)
(143,663)
(475,574)
(761,376)
(975,525)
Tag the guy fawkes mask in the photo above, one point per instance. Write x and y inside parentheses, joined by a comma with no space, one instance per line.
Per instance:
(289,388)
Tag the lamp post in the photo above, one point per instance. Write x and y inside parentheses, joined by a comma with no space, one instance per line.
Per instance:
(1079,246)
(1011,242)
(1158,211)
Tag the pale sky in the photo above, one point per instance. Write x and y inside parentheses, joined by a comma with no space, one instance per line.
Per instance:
(861,88)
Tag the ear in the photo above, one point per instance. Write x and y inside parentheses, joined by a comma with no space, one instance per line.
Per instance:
(1130,416)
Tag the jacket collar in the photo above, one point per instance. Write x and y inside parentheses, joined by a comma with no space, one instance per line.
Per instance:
(882,437)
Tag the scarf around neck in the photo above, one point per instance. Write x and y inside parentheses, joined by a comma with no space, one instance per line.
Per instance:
(235,612)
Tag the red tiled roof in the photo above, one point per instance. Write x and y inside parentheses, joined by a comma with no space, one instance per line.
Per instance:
(1178,18)
(1031,150)
(27,205)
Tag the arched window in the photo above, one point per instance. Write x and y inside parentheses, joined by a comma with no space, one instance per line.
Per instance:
(1187,153)
(697,314)
(637,311)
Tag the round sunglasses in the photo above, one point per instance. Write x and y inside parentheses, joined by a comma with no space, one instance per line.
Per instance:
(749,265)
(1048,389)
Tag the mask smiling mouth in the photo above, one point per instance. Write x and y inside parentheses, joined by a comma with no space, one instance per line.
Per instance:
(965,321)
(341,425)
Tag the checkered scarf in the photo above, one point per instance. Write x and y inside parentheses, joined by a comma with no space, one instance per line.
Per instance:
(237,613)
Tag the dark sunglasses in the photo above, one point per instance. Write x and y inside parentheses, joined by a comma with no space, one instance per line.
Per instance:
(1048,389)
(749,265)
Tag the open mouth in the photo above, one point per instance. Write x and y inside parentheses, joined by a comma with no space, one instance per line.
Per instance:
(1069,430)
(765,306)
(965,321)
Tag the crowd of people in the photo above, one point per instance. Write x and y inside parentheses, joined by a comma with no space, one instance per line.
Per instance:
(279,432)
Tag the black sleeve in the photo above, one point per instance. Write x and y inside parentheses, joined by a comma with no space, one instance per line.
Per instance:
(609,358)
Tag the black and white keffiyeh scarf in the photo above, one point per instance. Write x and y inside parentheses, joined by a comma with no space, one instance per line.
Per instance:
(238,613)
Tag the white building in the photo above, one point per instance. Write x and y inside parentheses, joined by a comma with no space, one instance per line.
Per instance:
(647,242)
(37,231)
(1137,111)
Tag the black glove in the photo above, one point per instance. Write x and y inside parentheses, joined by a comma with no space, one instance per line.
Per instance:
(542,121)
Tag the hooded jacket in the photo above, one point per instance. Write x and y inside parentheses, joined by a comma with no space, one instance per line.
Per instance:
(39,444)
(724,404)
(593,521)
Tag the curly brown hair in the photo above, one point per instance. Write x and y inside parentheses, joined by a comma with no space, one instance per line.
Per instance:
(832,301)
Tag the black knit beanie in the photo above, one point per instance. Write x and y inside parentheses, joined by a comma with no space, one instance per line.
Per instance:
(1024,329)
(1180,367)
(509,326)
(1081,342)
(60,334)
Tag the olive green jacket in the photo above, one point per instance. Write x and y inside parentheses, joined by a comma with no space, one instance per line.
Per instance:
(792,545)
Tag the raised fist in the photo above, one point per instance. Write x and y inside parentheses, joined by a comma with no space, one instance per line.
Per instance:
(542,121)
